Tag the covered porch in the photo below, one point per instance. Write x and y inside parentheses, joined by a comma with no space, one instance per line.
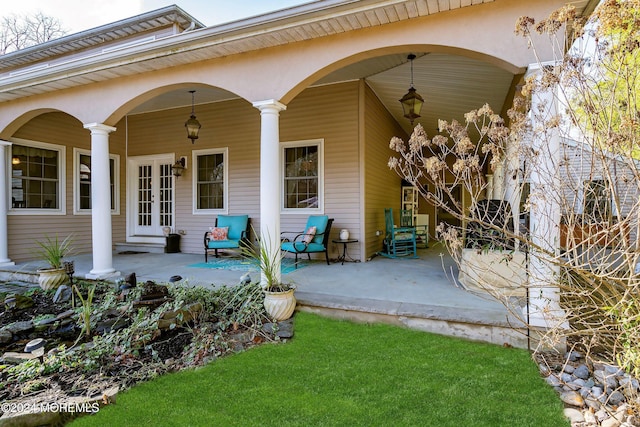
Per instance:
(418,293)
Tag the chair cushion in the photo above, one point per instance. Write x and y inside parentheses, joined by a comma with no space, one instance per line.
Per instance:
(223,244)
(300,247)
(236,223)
(309,234)
(320,222)
(219,233)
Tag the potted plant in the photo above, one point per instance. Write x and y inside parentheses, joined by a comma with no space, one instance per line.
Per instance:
(279,298)
(52,251)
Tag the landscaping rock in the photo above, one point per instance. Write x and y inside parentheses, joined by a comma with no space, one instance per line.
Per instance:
(65,314)
(30,419)
(281,329)
(611,422)
(572,398)
(109,325)
(573,356)
(5,336)
(16,358)
(19,327)
(615,398)
(63,294)
(582,371)
(179,317)
(574,415)
(606,379)
(553,381)
(17,302)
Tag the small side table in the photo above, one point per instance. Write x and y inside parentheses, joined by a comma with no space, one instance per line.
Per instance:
(344,256)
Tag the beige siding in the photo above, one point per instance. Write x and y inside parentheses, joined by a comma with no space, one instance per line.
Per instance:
(232,124)
(24,230)
(331,113)
(328,113)
(382,185)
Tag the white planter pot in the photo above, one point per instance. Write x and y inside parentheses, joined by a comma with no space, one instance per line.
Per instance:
(498,273)
(51,278)
(280,305)
(344,234)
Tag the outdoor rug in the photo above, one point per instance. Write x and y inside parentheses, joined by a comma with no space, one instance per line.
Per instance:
(239,264)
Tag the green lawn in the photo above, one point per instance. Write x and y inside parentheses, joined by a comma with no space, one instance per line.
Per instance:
(343,374)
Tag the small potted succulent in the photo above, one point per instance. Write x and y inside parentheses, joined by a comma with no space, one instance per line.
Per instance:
(52,250)
(279,298)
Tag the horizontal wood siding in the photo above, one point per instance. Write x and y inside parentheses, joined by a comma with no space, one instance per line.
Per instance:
(25,230)
(382,185)
(233,124)
(331,113)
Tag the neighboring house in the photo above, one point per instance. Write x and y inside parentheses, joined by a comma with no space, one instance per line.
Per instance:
(297,108)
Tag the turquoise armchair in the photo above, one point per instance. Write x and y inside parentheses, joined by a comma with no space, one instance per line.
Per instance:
(228,232)
(308,242)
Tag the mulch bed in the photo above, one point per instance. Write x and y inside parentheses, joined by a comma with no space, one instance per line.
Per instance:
(167,350)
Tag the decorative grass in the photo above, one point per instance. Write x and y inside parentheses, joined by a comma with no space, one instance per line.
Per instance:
(338,373)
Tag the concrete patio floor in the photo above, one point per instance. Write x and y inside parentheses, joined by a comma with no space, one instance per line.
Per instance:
(416,293)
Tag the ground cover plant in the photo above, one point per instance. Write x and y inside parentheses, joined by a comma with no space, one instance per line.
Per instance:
(341,373)
(108,335)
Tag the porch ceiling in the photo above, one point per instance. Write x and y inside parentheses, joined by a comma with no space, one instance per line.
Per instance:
(451,86)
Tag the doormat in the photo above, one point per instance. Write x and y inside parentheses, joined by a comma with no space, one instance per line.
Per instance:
(236,264)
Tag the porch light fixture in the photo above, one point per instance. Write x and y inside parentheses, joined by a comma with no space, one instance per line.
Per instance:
(412,101)
(179,166)
(193,126)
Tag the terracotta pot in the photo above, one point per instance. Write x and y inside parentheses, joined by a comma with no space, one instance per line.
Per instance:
(51,278)
(280,305)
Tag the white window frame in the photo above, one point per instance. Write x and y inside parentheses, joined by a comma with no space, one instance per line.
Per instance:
(303,143)
(62,181)
(115,209)
(583,196)
(194,179)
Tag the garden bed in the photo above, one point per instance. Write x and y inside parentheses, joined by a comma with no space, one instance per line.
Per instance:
(109,338)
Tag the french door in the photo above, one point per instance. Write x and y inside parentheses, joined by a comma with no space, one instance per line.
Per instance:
(151,194)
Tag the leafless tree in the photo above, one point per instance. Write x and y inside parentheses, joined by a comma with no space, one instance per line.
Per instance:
(21,31)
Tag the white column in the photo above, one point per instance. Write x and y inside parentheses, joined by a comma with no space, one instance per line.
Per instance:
(101,233)
(5,181)
(489,189)
(498,182)
(544,305)
(270,186)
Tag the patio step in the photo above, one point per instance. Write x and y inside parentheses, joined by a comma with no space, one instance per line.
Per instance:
(14,274)
(154,248)
(476,325)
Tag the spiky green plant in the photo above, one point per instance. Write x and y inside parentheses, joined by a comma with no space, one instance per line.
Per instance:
(53,250)
(268,263)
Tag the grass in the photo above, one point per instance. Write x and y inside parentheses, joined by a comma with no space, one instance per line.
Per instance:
(339,373)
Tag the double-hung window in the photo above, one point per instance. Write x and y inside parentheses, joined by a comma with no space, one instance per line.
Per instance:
(210,181)
(82,181)
(302,176)
(597,201)
(37,171)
